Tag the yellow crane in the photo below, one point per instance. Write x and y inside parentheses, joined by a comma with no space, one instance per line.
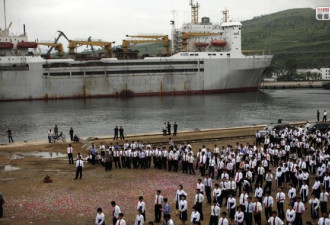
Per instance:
(58,47)
(152,38)
(73,44)
(188,35)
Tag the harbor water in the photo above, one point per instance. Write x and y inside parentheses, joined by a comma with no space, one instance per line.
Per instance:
(30,120)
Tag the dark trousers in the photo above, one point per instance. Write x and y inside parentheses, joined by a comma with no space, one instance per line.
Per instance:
(70,156)
(280,210)
(257,218)
(184,166)
(10,139)
(1,211)
(49,139)
(268,187)
(122,137)
(202,169)
(115,137)
(324,207)
(211,171)
(158,213)
(114,220)
(107,165)
(79,172)
(199,208)
(93,159)
(298,219)
(175,165)
(259,180)
(175,132)
(148,161)
(239,187)
(268,212)
(208,194)
(214,220)
(117,162)
(191,168)
(248,218)
(71,136)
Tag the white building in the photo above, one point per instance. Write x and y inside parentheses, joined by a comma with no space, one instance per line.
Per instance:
(325,72)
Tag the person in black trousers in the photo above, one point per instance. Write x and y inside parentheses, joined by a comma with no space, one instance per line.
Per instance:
(121,133)
(175,127)
(79,166)
(115,136)
(168,128)
(158,206)
(318,115)
(71,134)
(70,154)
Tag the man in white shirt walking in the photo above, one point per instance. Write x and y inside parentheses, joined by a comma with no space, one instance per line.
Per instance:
(70,154)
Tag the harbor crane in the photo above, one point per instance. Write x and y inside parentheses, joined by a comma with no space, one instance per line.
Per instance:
(194,12)
(188,35)
(150,39)
(73,44)
(54,45)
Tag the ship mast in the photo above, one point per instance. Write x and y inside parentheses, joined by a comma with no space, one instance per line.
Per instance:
(194,12)
(4,10)
(225,15)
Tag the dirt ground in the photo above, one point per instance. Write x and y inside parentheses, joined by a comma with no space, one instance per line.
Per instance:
(68,201)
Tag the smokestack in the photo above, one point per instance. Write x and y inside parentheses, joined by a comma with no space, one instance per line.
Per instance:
(24,29)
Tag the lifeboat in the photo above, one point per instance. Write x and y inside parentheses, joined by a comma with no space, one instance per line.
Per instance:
(201,44)
(27,44)
(218,43)
(6,45)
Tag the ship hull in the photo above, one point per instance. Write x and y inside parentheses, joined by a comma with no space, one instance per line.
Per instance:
(201,76)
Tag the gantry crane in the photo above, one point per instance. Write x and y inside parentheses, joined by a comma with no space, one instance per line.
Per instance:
(73,44)
(188,35)
(152,38)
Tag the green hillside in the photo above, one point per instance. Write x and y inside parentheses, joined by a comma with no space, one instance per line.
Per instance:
(293,36)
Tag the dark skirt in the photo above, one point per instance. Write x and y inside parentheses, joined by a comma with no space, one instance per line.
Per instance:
(232,212)
(100,221)
(183,216)
(314,212)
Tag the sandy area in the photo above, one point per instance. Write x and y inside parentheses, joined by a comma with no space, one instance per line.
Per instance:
(68,201)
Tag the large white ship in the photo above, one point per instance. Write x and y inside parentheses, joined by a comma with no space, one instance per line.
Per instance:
(206,58)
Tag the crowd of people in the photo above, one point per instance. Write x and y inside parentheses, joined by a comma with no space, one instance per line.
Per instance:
(237,181)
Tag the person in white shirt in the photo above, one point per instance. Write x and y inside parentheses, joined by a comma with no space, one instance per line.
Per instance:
(115,213)
(70,154)
(268,204)
(217,193)
(178,195)
(79,166)
(290,215)
(274,220)
(195,216)
(257,208)
(208,187)
(142,206)
(200,186)
(99,217)
(324,200)
(299,207)
(231,207)
(280,197)
(183,206)
(223,220)
(158,206)
(239,216)
(292,194)
(120,220)
(315,205)
(139,219)
(324,220)
(199,199)
(215,213)
(258,193)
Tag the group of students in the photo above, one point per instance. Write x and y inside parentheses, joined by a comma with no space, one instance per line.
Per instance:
(297,162)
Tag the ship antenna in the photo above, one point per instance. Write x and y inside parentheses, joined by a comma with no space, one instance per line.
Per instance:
(4,10)
(225,15)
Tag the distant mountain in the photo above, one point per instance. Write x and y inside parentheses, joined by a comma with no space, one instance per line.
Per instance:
(292,35)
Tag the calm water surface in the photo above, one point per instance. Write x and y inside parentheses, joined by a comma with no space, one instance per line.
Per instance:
(30,120)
